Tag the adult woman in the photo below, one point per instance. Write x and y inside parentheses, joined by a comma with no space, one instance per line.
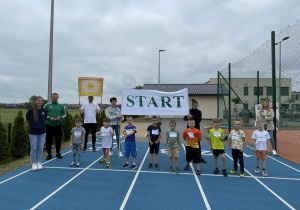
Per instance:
(267,115)
(35,119)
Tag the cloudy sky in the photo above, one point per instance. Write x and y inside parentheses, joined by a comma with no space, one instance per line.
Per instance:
(119,41)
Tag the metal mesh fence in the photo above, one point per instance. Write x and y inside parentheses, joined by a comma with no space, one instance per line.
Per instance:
(250,81)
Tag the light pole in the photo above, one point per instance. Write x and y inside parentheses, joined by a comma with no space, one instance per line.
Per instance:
(279,79)
(50,53)
(159,51)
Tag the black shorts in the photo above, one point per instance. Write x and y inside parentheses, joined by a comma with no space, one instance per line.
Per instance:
(193,154)
(154,148)
(218,152)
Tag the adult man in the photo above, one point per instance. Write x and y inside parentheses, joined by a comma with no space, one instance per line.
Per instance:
(196,114)
(55,113)
(90,109)
(114,114)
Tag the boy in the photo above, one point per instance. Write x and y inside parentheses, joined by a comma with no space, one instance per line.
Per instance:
(237,143)
(77,141)
(173,145)
(216,141)
(130,145)
(261,138)
(192,136)
(107,134)
(154,136)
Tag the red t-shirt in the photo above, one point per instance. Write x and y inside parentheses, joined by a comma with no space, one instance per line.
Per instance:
(192,137)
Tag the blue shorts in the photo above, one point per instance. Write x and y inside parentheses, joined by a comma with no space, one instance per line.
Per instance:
(130,148)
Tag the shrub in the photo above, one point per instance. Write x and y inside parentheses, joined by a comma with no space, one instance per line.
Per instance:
(67,125)
(20,140)
(4,146)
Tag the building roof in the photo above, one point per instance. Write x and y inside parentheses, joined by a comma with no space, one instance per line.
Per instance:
(193,89)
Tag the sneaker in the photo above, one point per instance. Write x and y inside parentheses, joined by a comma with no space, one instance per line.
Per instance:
(150,165)
(126,165)
(48,157)
(274,152)
(108,166)
(187,167)
(39,166)
(58,155)
(264,173)
(216,171)
(94,149)
(242,175)
(156,166)
(120,155)
(177,170)
(233,171)
(111,153)
(224,172)
(256,170)
(198,172)
(170,169)
(72,164)
(34,167)
(78,164)
(102,161)
(132,167)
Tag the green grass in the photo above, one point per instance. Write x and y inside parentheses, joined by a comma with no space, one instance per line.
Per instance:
(8,115)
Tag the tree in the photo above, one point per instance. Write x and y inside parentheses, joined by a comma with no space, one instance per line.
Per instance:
(4,145)
(236,101)
(138,87)
(20,141)
(67,125)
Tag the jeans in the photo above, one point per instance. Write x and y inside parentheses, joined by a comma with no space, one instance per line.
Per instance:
(37,142)
(76,150)
(272,139)
(116,128)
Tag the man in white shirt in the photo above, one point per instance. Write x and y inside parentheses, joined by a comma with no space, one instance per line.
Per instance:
(90,109)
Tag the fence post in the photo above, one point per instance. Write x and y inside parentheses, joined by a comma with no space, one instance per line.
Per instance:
(229,98)
(274,85)
(9,132)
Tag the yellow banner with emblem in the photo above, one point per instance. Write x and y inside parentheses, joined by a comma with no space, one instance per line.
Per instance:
(90,86)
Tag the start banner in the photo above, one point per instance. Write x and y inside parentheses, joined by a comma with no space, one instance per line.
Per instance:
(153,102)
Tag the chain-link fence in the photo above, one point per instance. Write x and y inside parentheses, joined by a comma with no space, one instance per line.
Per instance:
(270,72)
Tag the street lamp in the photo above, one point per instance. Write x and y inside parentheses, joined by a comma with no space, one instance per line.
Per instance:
(159,51)
(279,79)
(50,53)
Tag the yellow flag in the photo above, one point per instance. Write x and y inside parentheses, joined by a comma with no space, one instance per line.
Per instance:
(90,86)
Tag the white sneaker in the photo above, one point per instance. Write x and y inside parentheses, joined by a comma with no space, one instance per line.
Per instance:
(264,173)
(34,167)
(120,155)
(39,166)
(256,170)
(274,152)
(111,153)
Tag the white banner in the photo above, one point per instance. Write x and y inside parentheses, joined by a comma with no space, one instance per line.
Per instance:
(153,102)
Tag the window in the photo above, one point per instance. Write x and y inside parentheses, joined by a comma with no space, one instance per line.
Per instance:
(293,97)
(284,91)
(245,91)
(284,106)
(297,97)
(246,106)
(260,91)
(269,91)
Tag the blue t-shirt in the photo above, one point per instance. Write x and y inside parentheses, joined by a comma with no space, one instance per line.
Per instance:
(128,130)
(40,127)
(154,132)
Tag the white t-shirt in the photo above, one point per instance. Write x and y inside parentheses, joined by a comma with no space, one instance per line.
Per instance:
(106,137)
(90,110)
(261,139)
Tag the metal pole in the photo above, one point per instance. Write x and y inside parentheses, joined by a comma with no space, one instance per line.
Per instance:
(218,95)
(50,53)
(229,98)
(273,84)
(159,68)
(257,76)
(279,79)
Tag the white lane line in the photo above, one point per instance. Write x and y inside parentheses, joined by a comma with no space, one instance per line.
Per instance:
(279,161)
(133,182)
(265,186)
(29,170)
(70,180)
(198,183)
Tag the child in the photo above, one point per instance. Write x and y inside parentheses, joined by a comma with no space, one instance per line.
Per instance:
(107,134)
(192,136)
(130,145)
(173,145)
(77,141)
(216,141)
(237,143)
(154,136)
(261,138)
